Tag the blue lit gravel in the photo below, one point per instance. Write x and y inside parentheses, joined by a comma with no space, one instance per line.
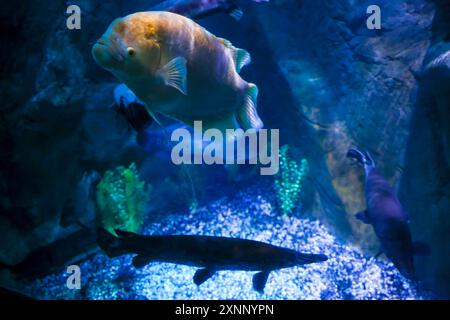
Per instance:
(347,274)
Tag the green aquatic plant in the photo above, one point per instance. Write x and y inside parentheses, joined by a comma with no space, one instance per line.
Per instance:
(121,199)
(289,181)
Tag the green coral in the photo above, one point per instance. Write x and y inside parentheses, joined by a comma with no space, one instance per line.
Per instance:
(289,181)
(122,199)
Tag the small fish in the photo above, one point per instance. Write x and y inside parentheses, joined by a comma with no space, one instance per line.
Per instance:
(388,218)
(134,111)
(179,69)
(198,9)
(210,254)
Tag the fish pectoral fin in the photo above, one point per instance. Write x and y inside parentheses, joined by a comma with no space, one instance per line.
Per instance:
(235,12)
(421,249)
(260,280)
(363,217)
(174,74)
(140,261)
(202,275)
(248,115)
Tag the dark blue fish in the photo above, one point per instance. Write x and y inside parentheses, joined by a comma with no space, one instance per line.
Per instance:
(210,254)
(198,9)
(134,111)
(152,140)
(157,142)
(127,104)
(388,218)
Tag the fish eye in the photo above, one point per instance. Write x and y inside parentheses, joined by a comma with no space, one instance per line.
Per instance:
(130,51)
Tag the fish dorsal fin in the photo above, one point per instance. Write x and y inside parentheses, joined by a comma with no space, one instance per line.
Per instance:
(226,43)
(248,115)
(235,12)
(174,74)
(241,57)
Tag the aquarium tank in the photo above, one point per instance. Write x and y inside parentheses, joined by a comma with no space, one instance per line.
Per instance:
(225,150)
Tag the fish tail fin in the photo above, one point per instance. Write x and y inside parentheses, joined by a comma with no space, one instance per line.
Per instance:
(113,246)
(248,115)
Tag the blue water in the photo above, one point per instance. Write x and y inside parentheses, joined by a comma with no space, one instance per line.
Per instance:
(326,82)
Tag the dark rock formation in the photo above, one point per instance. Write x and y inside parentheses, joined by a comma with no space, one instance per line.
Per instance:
(425,183)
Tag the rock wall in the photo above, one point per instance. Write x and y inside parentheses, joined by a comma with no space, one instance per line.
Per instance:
(425,183)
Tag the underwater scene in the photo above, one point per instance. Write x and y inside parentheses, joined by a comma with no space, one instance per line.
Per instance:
(225,149)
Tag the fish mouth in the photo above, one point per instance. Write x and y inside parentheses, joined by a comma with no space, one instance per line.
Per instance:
(101,53)
(104,41)
(105,53)
(113,49)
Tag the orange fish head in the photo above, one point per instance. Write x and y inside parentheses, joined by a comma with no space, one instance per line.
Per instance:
(129,47)
(110,51)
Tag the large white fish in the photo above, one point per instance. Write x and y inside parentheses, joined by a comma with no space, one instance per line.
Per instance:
(179,69)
